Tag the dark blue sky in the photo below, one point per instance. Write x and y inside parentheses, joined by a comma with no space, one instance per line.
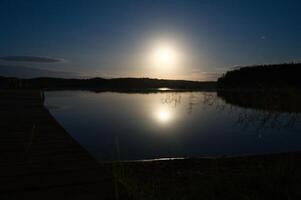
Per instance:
(112,38)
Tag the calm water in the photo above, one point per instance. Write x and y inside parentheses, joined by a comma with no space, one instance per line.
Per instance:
(159,125)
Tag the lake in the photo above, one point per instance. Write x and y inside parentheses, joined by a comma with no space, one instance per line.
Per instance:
(138,126)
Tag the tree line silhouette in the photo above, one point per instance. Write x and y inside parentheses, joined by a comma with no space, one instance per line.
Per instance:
(99,84)
(276,76)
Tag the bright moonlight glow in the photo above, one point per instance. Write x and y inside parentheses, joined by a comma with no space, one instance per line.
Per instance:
(164,56)
(164,59)
(163,116)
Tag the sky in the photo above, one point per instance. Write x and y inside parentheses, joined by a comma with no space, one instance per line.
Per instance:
(120,38)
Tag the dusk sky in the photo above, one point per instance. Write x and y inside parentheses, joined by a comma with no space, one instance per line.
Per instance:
(173,39)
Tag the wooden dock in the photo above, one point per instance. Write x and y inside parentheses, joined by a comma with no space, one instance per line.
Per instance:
(39,160)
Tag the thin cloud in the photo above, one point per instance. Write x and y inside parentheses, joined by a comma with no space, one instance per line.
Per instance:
(33,59)
(205,75)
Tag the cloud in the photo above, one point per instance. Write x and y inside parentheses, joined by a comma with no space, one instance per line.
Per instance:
(198,74)
(33,59)
(31,72)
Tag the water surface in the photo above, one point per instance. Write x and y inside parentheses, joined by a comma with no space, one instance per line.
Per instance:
(134,126)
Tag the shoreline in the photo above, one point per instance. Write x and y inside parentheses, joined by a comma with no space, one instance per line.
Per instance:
(272,176)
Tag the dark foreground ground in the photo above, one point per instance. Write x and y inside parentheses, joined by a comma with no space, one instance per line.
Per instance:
(39,160)
(252,177)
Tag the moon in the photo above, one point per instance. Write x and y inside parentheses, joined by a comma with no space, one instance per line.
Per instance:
(164,56)
(163,59)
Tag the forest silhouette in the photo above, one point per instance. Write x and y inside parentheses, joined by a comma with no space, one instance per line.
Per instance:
(276,76)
